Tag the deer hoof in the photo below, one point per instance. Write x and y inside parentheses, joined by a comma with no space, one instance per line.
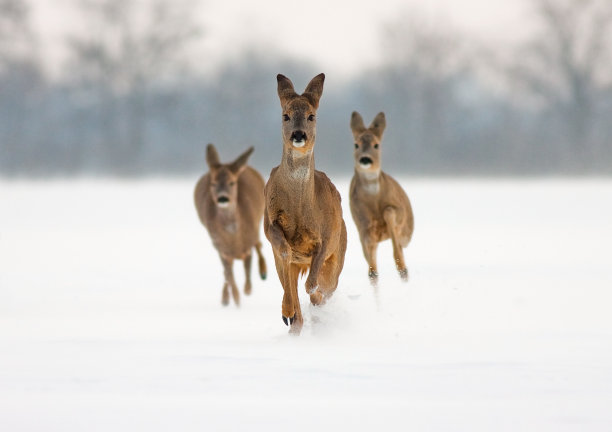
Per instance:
(263,276)
(225,299)
(404,275)
(311,288)
(373,275)
(316,298)
(296,327)
(288,321)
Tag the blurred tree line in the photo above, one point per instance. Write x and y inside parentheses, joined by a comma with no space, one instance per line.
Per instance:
(129,102)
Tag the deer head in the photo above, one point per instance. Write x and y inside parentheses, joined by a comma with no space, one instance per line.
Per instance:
(299,114)
(224,177)
(367,142)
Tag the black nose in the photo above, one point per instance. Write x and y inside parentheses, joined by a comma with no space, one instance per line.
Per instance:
(365,161)
(223,200)
(298,136)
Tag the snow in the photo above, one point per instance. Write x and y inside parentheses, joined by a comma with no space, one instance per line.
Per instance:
(110,316)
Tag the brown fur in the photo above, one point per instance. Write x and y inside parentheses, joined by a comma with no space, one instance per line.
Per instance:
(234,228)
(303,216)
(379,206)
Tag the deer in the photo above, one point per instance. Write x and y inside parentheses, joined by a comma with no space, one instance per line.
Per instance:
(303,214)
(229,201)
(379,206)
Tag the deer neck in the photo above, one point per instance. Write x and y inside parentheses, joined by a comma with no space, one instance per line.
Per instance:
(228,217)
(370,180)
(298,167)
(298,171)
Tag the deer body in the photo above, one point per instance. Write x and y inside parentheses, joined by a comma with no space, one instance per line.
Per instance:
(229,201)
(379,206)
(303,215)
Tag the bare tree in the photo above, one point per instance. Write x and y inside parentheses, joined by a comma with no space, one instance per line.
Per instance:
(424,66)
(132,46)
(20,81)
(435,50)
(16,38)
(567,67)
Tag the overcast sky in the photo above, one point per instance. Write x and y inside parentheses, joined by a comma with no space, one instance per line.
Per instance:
(339,36)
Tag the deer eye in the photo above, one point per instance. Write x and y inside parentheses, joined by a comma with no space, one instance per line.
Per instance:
(311,117)
(232,183)
(285,117)
(375,146)
(356,145)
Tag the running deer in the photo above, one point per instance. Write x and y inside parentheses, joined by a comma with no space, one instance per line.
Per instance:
(230,202)
(379,206)
(303,216)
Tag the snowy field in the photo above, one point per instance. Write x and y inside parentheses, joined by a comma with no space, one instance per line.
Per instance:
(110,316)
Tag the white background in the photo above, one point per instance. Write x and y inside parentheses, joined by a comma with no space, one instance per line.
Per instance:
(110,316)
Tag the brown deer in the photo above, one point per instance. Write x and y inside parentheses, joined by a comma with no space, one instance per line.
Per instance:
(230,203)
(379,206)
(303,216)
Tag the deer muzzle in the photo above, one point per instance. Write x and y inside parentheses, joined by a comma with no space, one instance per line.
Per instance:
(298,138)
(365,162)
(223,201)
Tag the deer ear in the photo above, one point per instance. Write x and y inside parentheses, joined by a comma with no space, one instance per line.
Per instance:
(314,90)
(240,163)
(212,157)
(285,89)
(378,125)
(357,125)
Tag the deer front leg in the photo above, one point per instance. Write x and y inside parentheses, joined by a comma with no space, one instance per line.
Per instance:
(370,246)
(288,311)
(292,312)
(229,278)
(312,281)
(297,321)
(276,236)
(390,216)
(247,273)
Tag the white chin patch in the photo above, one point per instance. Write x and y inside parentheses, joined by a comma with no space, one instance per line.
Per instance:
(365,165)
(299,144)
(223,204)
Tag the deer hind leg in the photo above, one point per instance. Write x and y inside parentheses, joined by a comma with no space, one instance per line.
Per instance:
(247,273)
(263,272)
(225,296)
(229,278)
(390,216)
(370,246)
